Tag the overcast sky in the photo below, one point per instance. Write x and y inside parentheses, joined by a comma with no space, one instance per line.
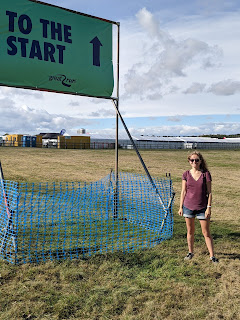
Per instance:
(179,73)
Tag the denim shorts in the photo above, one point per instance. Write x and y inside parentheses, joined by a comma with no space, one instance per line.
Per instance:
(200,214)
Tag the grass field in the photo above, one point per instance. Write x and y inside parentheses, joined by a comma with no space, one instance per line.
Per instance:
(147,284)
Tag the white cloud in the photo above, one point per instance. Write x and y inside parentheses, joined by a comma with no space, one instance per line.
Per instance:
(74,104)
(164,59)
(25,119)
(195,88)
(225,87)
(148,22)
(176,130)
(189,130)
(222,88)
(103,113)
(24,93)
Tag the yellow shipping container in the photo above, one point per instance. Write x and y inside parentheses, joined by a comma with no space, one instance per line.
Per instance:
(39,141)
(73,142)
(8,140)
(14,140)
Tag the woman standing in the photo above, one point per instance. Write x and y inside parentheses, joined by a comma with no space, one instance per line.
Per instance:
(196,201)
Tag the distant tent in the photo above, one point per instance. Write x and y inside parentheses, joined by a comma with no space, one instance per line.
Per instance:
(49,135)
(62,132)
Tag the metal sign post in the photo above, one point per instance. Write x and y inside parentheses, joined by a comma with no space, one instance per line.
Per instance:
(116,198)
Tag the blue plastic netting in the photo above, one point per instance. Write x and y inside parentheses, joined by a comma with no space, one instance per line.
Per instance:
(75,220)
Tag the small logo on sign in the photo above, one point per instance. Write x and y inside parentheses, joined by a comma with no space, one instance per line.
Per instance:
(67,82)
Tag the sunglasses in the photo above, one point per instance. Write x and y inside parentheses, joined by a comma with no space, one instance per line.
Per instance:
(196,160)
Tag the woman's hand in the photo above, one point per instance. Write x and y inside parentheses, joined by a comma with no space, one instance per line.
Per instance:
(180,211)
(208,213)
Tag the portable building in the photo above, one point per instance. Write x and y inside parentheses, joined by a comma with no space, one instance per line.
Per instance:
(73,142)
(39,141)
(33,141)
(26,141)
(14,140)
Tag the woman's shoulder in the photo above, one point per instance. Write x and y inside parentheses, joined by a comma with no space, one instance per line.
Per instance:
(185,175)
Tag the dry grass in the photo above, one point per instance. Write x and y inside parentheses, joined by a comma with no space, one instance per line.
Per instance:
(150,284)
(26,164)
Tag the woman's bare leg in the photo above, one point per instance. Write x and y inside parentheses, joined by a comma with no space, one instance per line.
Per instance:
(205,225)
(190,223)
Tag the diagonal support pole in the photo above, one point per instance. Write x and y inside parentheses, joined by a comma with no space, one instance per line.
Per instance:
(167,211)
(140,158)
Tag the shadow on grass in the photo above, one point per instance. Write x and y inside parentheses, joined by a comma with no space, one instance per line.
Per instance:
(233,256)
(235,235)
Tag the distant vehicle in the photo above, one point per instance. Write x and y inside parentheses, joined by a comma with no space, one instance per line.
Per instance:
(49,143)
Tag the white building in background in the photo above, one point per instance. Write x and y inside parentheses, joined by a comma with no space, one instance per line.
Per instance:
(153,142)
(81,131)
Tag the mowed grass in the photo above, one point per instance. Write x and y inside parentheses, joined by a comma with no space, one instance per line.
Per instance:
(148,284)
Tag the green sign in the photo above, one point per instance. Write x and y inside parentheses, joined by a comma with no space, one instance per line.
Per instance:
(50,48)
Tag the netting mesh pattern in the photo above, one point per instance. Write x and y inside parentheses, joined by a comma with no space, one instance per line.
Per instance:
(42,221)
